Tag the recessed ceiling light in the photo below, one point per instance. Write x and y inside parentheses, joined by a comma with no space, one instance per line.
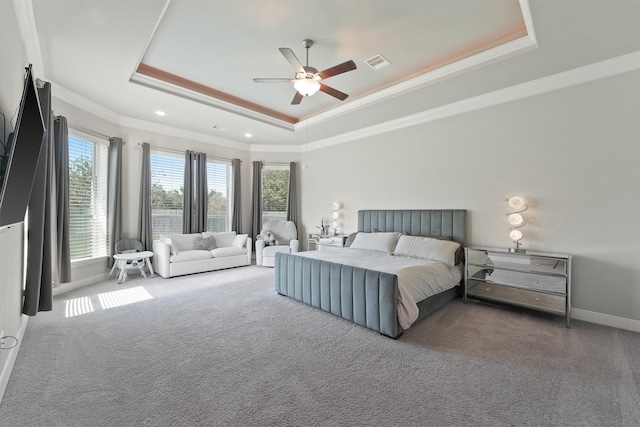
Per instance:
(248,135)
(161,113)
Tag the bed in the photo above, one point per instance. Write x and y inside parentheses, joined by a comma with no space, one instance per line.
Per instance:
(369,296)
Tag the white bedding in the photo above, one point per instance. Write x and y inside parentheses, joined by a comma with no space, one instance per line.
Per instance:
(417,278)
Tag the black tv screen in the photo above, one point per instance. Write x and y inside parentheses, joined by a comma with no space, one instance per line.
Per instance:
(20,161)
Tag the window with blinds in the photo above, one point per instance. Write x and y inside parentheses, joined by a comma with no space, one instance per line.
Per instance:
(219,187)
(275,193)
(167,193)
(88,235)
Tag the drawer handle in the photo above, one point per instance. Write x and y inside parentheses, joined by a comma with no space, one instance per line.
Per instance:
(537,299)
(537,281)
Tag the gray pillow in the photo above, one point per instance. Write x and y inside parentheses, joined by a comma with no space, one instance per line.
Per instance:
(205,243)
(350,239)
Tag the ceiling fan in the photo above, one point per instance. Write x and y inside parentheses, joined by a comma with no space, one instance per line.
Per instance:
(307,80)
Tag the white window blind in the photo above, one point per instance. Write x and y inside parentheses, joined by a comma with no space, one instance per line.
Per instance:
(88,162)
(219,187)
(167,193)
(275,192)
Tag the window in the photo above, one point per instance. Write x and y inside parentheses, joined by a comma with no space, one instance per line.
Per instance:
(88,235)
(167,193)
(275,192)
(220,196)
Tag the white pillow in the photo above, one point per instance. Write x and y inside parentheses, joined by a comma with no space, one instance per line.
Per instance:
(376,242)
(427,248)
(173,247)
(239,240)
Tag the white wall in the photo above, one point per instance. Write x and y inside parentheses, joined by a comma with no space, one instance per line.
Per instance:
(12,63)
(574,153)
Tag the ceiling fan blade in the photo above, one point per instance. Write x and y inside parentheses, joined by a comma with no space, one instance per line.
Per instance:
(292,58)
(297,98)
(333,92)
(338,69)
(273,80)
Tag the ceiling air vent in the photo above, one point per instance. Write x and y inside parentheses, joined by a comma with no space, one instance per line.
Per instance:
(377,62)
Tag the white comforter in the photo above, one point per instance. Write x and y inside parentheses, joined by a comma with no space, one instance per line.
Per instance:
(417,278)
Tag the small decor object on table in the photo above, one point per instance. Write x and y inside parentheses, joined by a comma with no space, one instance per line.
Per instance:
(537,280)
(517,205)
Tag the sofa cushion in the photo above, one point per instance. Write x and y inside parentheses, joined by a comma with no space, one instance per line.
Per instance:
(184,242)
(239,241)
(192,255)
(223,239)
(173,249)
(228,251)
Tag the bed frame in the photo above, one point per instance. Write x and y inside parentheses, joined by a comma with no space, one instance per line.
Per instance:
(368,297)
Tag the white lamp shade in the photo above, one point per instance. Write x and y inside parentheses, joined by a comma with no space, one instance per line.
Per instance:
(515,219)
(306,87)
(515,235)
(517,203)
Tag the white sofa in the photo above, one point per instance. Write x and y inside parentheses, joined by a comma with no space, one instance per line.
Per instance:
(287,236)
(179,254)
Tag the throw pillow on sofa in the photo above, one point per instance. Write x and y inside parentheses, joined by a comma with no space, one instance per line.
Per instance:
(240,240)
(205,243)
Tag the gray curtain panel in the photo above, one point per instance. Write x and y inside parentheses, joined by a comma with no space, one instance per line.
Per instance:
(187,205)
(42,223)
(144,223)
(292,202)
(196,199)
(256,199)
(114,195)
(236,213)
(61,166)
(200,194)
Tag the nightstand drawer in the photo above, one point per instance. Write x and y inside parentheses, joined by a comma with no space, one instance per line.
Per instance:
(521,297)
(539,282)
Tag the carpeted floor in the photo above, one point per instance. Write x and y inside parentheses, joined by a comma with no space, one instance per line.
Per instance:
(223,349)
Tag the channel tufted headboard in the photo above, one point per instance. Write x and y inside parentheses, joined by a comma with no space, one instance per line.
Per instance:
(418,222)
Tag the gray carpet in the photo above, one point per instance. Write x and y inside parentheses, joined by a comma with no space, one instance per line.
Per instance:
(223,348)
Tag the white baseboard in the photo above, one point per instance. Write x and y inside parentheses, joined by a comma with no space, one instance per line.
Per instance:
(605,319)
(11,356)
(72,286)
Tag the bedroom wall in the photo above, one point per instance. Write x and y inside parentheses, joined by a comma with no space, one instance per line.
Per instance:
(12,63)
(573,153)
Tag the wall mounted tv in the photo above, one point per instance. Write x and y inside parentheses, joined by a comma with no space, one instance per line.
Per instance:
(20,160)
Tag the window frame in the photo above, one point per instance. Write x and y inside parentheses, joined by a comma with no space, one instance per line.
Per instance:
(272,216)
(99,200)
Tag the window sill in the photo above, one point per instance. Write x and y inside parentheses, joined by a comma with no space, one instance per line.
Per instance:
(88,261)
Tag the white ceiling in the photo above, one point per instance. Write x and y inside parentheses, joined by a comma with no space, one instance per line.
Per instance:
(91,51)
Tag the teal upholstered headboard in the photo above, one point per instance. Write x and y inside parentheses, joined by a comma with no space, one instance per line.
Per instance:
(418,222)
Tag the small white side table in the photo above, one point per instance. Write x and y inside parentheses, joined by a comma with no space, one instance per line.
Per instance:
(121,263)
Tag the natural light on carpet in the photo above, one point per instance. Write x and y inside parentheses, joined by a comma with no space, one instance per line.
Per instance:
(77,306)
(83,305)
(123,297)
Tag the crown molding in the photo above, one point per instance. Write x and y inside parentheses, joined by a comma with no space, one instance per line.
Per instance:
(585,74)
(29,33)
(78,101)
(181,133)
(205,99)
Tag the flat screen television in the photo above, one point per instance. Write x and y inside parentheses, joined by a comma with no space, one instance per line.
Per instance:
(20,160)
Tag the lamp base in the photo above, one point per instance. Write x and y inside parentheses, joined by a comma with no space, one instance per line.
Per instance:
(518,250)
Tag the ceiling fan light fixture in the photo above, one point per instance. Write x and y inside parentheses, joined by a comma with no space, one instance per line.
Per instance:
(307,86)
